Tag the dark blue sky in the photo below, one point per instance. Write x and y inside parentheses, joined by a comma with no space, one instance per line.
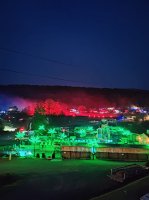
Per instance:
(102,43)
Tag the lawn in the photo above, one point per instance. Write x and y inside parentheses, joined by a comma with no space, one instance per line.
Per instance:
(69,179)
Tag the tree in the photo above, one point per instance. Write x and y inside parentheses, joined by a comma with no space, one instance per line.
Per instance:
(82,132)
(1,125)
(20,135)
(34,140)
(90,129)
(39,117)
(41,128)
(92,143)
(51,133)
(82,109)
(62,137)
(29,110)
(53,107)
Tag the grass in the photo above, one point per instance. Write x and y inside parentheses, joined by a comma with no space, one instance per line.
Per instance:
(70,179)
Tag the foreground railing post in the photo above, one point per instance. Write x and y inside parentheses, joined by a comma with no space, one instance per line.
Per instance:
(111,171)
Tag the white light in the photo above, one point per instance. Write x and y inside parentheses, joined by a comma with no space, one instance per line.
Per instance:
(8,128)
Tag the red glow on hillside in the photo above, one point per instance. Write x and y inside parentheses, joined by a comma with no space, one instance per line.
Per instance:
(51,107)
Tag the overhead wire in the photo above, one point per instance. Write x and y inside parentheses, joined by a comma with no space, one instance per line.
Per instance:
(34,56)
(8,69)
(42,76)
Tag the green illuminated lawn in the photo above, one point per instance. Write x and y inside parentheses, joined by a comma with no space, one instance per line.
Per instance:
(43,179)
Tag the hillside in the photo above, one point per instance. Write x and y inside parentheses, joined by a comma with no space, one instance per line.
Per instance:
(77,95)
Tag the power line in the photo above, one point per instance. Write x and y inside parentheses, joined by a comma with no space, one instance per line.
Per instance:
(41,76)
(41,58)
(35,56)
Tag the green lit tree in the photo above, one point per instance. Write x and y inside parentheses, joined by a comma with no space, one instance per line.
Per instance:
(92,143)
(34,140)
(62,137)
(41,128)
(72,140)
(19,136)
(89,129)
(126,133)
(82,132)
(51,134)
(52,131)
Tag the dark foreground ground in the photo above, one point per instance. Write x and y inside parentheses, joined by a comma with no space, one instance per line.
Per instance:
(131,191)
(43,179)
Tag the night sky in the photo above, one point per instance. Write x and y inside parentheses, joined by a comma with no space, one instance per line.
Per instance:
(102,43)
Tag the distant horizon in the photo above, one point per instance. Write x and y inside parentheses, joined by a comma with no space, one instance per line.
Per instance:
(44,85)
